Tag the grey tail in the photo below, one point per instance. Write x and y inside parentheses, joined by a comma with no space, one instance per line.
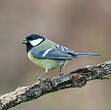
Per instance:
(86,54)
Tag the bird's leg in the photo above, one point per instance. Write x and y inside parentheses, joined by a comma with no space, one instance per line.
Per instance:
(60,71)
(40,77)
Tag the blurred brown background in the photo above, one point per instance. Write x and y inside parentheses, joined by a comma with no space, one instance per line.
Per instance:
(82,25)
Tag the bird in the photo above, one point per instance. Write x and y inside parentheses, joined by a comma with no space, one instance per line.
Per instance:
(48,54)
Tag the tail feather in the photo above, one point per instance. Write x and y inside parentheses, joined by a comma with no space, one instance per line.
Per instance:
(86,54)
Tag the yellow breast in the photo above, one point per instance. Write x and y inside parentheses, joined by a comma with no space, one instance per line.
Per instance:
(46,63)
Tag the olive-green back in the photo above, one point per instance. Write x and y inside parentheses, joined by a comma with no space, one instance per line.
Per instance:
(44,46)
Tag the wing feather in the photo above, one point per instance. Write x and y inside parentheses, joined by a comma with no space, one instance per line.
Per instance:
(52,53)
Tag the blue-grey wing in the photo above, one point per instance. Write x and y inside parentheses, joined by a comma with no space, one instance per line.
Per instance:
(72,53)
(52,53)
(65,50)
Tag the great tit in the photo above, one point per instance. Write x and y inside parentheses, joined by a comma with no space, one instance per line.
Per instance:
(47,54)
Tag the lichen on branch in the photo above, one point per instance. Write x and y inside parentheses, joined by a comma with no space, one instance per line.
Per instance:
(73,79)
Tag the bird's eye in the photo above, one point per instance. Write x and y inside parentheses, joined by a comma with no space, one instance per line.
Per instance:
(30,38)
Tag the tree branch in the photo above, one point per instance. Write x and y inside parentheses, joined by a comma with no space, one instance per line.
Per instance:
(77,78)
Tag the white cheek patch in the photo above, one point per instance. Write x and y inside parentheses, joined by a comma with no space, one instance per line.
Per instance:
(36,42)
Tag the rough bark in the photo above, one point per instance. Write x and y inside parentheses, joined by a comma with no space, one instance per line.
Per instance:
(77,78)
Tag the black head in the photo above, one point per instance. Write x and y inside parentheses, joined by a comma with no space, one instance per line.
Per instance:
(33,40)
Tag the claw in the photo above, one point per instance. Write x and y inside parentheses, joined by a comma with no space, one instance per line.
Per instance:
(40,79)
(61,74)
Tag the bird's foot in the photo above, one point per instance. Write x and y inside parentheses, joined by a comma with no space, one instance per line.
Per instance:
(61,74)
(40,79)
